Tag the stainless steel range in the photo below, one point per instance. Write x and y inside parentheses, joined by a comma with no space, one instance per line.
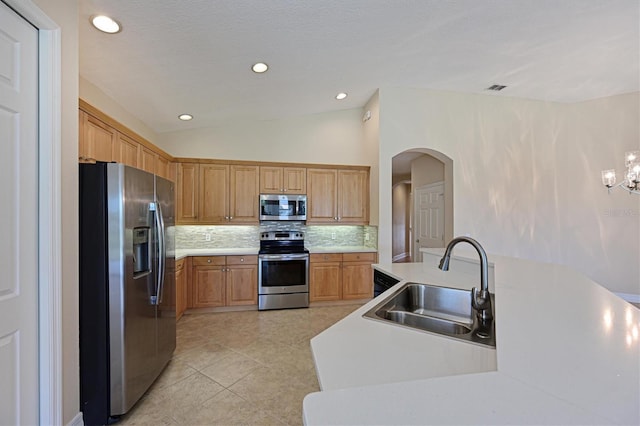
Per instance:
(283,270)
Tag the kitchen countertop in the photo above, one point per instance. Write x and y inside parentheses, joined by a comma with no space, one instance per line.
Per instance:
(181,253)
(567,352)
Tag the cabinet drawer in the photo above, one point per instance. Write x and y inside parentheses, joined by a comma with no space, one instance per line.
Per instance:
(242,260)
(325,257)
(208,260)
(359,257)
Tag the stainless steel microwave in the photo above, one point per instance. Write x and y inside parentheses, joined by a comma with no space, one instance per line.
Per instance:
(283,207)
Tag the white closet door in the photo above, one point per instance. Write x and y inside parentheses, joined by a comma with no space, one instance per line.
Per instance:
(18,221)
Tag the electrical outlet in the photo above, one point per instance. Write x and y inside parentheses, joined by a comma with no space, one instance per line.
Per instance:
(207,237)
(366,237)
(333,235)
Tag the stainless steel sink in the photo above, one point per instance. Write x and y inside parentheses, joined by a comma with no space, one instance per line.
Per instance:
(442,310)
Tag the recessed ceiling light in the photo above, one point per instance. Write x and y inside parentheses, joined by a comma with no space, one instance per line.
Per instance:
(105,24)
(185,117)
(340,96)
(260,67)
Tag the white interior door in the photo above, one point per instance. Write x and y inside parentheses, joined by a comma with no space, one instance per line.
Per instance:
(429,218)
(19,224)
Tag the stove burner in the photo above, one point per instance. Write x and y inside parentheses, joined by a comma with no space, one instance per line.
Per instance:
(282,242)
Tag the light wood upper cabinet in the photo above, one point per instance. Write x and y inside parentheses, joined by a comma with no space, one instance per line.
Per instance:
(322,187)
(353,196)
(127,151)
(213,193)
(338,196)
(217,193)
(243,194)
(283,180)
(163,167)
(98,141)
(187,193)
(147,160)
(101,138)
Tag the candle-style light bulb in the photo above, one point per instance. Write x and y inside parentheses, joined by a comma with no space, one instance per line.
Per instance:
(609,178)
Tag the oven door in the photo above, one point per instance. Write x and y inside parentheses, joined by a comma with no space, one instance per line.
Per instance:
(283,273)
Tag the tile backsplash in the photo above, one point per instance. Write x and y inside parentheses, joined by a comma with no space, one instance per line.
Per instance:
(230,236)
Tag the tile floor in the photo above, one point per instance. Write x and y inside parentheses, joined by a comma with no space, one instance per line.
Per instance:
(238,368)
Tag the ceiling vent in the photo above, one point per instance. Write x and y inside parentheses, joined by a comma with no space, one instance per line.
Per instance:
(495,87)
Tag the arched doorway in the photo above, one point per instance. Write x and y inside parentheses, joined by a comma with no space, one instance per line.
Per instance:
(422,202)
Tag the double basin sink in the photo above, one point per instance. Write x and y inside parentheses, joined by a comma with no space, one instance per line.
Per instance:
(441,310)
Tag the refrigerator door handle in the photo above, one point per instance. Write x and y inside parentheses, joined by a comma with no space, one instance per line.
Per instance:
(162,252)
(156,298)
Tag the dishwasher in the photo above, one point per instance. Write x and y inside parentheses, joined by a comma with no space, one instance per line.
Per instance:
(382,282)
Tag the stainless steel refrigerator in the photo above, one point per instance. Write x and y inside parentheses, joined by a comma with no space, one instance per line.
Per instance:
(127,286)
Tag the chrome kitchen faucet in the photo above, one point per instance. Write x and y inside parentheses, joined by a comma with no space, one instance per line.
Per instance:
(480,300)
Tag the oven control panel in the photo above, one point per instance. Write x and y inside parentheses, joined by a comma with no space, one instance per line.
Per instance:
(281,235)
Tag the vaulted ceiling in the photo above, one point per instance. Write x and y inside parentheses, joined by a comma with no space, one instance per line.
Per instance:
(195,56)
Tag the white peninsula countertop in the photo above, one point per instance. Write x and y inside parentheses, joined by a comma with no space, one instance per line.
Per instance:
(567,352)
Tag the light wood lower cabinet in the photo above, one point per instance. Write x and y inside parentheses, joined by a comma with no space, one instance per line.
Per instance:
(224,281)
(340,276)
(181,288)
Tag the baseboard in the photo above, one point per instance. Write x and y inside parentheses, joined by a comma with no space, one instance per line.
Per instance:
(77,420)
(629,297)
(400,256)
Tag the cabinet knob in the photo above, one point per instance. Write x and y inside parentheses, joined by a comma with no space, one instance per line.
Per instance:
(208,260)
(242,259)
(335,218)
(230,217)
(284,190)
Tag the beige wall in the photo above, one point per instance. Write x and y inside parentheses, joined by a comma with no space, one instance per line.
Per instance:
(97,98)
(327,138)
(425,170)
(371,138)
(526,175)
(401,194)
(65,14)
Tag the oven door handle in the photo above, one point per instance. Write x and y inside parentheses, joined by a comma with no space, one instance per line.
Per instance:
(292,256)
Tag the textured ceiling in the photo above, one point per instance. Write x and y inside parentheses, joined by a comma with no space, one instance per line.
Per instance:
(194,56)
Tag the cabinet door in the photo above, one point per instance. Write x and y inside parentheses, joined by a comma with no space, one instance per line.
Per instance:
(294,180)
(325,281)
(357,280)
(271,180)
(181,289)
(353,196)
(242,285)
(98,139)
(162,167)
(147,160)
(213,194)
(209,286)
(321,195)
(127,151)
(244,190)
(187,189)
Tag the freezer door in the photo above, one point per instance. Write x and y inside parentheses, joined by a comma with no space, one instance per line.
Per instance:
(132,316)
(166,309)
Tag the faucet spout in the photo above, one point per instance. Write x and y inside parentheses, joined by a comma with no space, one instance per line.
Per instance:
(480,299)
